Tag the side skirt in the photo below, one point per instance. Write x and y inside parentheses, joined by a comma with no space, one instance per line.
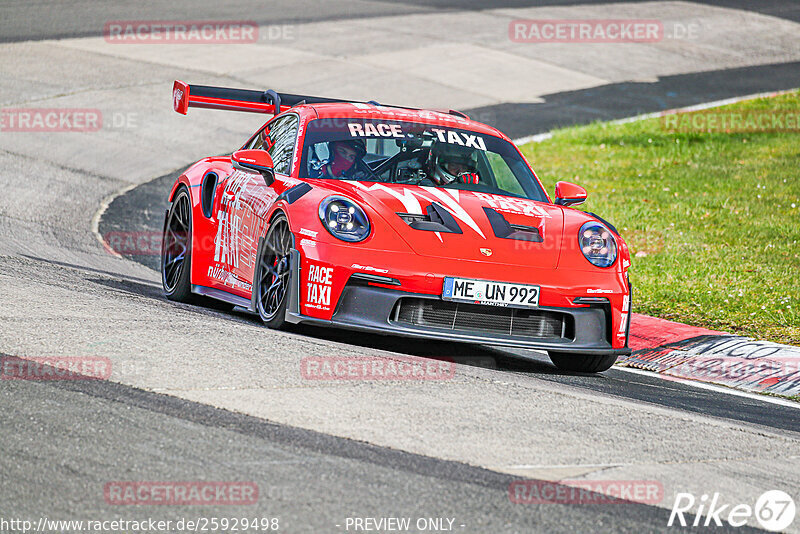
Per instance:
(219,294)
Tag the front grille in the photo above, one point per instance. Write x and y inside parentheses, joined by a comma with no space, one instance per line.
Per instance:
(477,318)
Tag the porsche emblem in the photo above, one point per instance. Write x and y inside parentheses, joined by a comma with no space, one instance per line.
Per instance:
(486,251)
(177,96)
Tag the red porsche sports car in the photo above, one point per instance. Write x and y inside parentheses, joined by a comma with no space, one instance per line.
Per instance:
(397,221)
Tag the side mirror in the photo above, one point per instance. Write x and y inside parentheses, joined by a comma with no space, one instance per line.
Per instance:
(569,194)
(258,161)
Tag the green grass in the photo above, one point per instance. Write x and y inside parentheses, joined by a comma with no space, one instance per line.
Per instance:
(712,219)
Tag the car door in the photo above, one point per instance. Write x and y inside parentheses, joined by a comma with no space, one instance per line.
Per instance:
(247,198)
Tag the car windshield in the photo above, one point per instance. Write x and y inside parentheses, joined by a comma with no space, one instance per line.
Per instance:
(414,153)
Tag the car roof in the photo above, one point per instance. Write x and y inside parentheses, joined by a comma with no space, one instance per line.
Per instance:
(370,111)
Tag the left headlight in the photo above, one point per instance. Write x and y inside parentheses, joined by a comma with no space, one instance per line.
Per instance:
(344,219)
(598,244)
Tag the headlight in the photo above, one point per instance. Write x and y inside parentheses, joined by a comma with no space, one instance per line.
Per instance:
(598,244)
(344,219)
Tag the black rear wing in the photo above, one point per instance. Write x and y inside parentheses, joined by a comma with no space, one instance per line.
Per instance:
(185,96)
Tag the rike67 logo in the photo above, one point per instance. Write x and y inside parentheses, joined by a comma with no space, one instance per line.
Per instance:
(774,510)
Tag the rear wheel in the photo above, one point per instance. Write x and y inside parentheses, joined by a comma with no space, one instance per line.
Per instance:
(176,249)
(273,274)
(582,363)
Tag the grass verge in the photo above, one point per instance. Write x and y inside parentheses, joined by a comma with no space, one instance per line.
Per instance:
(712,218)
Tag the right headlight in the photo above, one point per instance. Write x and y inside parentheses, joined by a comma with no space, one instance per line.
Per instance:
(598,244)
(344,219)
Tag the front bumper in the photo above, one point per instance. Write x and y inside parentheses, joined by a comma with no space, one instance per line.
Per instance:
(373,309)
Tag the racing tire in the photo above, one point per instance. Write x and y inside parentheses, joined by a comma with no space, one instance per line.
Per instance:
(176,249)
(272,276)
(582,363)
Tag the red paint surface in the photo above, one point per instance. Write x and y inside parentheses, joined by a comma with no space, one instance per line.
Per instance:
(650,332)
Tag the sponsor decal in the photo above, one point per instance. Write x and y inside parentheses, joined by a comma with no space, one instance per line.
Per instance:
(307,232)
(429,114)
(624,316)
(369,129)
(368,268)
(308,243)
(594,291)
(517,206)
(227,243)
(198,493)
(318,288)
(460,138)
(244,204)
(221,273)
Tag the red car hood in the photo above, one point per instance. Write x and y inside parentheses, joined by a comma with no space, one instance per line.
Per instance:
(477,240)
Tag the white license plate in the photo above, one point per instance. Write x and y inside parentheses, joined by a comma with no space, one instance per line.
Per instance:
(491,293)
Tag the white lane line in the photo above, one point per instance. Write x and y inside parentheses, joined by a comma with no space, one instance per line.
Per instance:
(538,138)
(566,466)
(713,387)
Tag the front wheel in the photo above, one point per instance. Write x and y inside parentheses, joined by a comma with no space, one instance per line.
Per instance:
(273,274)
(582,363)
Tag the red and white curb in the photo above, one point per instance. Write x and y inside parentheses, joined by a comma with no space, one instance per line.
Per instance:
(684,352)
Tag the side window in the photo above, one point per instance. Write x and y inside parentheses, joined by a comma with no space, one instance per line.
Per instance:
(280,143)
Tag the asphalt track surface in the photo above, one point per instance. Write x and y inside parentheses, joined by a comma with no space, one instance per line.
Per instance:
(24,20)
(127,211)
(63,441)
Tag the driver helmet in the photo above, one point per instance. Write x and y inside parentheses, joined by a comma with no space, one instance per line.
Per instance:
(448,162)
(344,154)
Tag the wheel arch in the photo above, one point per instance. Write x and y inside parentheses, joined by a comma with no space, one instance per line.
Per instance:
(277,210)
(181,181)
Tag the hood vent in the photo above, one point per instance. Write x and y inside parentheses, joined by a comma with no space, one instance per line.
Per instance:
(504,230)
(435,219)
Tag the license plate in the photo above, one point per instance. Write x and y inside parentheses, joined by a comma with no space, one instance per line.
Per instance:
(491,293)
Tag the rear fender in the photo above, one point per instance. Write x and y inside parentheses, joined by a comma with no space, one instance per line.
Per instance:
(203,228)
